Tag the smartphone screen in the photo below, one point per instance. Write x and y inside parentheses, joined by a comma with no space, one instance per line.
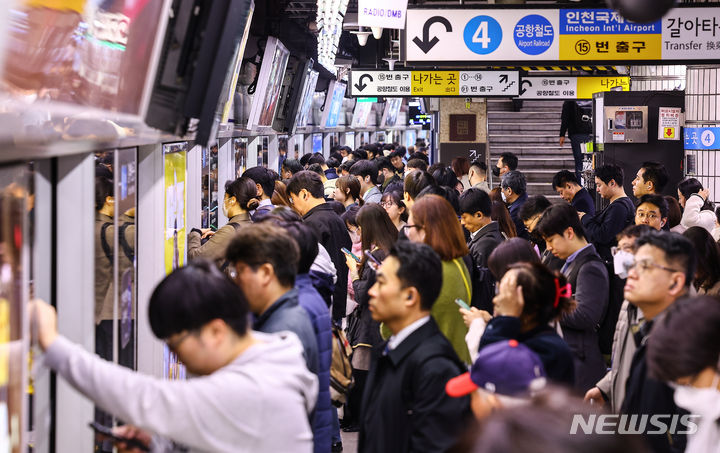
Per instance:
(461,303)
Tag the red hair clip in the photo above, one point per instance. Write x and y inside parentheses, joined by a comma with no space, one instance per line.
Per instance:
(565,291)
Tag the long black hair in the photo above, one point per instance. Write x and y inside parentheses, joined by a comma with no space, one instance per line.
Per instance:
(707,272)
(692,186)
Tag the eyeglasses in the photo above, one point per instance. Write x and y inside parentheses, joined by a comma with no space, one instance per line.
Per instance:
(407,227)
(386,204)
(174,345)
(647,215)
(644,266)
(614,250)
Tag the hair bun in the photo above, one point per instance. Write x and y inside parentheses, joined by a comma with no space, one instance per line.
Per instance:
(253,204)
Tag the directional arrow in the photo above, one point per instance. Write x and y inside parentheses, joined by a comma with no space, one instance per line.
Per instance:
(425,44)
(522,86)
(361,85)
(503,78)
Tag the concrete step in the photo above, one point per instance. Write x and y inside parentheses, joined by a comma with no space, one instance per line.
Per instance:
(538,139)
(527,149)
(525,115)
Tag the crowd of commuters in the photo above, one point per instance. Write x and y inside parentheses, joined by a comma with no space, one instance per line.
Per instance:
(478,318)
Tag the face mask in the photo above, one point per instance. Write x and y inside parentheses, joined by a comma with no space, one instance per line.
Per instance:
(496,171)
(504,198)
(381,178)
(621,261)
(225,210)
(704,402)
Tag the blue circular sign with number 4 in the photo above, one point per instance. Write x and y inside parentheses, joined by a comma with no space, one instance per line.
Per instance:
(533,34)
(483,35)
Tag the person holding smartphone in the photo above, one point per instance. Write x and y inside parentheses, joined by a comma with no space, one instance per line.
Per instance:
(377,235)
(254,392)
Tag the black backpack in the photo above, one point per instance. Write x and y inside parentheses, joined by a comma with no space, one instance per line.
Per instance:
(583,116)
(483,285)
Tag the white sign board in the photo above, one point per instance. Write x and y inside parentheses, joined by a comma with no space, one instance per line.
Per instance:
(548,88)
(462,35)
(597,36)
(380,83)
(434,83)
(382,13)
(489,83)
(669,123)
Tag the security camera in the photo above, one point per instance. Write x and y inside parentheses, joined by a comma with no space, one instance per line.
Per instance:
(642,11)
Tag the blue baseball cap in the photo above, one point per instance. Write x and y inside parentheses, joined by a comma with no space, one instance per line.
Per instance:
(507,368)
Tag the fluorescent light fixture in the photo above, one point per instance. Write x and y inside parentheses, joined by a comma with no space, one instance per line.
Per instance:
(330,16)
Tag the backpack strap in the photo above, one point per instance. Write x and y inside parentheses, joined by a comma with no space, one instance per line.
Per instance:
(577,264)
(129,252)
(104,243)
(465,280)
(226,263)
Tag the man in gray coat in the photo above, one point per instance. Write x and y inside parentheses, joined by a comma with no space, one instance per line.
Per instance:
(588,277)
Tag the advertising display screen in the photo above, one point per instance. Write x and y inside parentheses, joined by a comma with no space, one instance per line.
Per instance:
(361,114)
(391,113)
(417,115)
(333,104)
(270,79)
(317,143)
(83,52)
(306,97)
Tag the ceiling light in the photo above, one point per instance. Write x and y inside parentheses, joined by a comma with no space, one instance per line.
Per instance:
(362,36)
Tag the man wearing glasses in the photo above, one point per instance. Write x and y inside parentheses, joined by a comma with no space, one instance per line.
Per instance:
(253,393)
(661,273)
(652,210)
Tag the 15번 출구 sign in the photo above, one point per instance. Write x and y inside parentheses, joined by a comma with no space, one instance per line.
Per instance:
(551,35)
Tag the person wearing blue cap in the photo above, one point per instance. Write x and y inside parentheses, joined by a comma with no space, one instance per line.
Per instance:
(504,374)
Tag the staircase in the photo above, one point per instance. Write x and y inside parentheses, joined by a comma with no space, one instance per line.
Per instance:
(532,134)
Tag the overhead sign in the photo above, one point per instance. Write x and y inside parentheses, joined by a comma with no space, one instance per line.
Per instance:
(570,87)
(434,83)
(669,123)
(699,138)
(597,35)
(382,13)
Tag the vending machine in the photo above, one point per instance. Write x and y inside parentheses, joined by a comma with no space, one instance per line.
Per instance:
(632,127)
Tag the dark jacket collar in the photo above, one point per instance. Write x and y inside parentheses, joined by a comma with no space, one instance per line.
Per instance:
(408,345)
(520,200)
(320,207)
(487,230)
(287,298)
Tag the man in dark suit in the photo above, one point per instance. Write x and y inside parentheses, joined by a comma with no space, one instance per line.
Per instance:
(405,407)
(306,193)
(567,186)
(475,209)
(588,278)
